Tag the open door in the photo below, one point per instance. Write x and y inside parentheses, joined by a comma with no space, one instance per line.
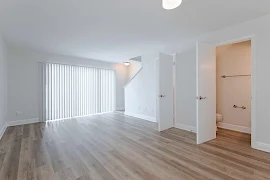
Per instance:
(206,92)
(165,92)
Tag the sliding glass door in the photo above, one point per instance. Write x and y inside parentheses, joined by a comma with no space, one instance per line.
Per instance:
(73,91)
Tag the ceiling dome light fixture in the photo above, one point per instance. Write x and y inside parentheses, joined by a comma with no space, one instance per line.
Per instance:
(126,63)
(171,4)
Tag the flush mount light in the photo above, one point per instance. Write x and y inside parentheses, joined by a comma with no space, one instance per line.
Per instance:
(171,4)
(126,63)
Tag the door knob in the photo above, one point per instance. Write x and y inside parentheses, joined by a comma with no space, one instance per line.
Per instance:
(201,98)
(161,96)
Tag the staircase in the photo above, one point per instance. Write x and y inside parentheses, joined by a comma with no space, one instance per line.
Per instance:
(134,68)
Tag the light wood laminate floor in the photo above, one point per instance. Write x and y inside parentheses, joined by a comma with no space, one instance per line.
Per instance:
(117,147)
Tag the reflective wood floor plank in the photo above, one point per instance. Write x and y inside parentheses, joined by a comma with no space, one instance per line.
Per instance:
(117,147)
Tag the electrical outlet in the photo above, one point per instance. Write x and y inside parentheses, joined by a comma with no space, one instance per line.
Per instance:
(18,113)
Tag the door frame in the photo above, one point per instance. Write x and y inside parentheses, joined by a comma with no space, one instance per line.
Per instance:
(174,89)
(252,38)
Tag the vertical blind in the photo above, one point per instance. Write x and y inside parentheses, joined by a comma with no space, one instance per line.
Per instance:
(72,91)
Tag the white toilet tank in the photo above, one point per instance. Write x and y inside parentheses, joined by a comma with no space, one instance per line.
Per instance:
(219,117)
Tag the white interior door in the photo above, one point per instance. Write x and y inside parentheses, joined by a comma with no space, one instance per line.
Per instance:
(206,92)
(165,92)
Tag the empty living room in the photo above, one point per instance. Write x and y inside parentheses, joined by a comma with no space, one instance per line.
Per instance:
(134,90)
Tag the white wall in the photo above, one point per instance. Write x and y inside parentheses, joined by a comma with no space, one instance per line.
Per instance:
(133,68)
(3,83)
(185,86)
(140,93)
(260,28)
(234,59)
(24,85)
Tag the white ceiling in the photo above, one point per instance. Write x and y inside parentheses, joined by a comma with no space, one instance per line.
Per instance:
(116,30)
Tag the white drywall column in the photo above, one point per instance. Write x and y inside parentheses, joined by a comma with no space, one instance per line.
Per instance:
(3,83)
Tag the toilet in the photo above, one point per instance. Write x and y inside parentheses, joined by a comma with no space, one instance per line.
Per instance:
(219,118)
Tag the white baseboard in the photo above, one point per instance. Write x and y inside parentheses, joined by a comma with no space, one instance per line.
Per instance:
(22,122)
(235,127)
(148,118)
(120,108)
(186,127)
(16,123)
(262,146)
(2,131)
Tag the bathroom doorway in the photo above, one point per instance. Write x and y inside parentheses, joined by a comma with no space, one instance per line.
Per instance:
(233,91)
(206,93)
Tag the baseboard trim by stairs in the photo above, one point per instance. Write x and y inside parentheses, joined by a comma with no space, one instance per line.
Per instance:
(140,116)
